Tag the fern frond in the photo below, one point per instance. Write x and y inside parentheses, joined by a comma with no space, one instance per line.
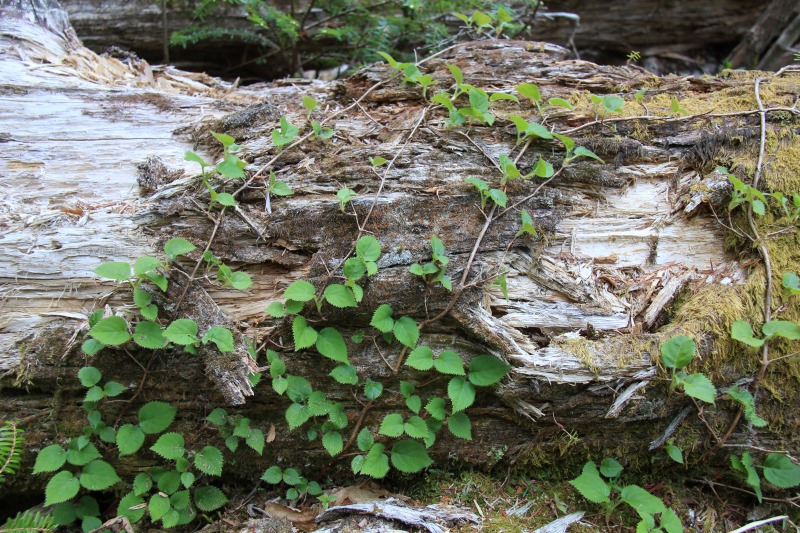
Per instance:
(10,449)
(29,522)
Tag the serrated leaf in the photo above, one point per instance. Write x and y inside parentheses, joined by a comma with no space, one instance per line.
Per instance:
(273,475)
(781,328)
(81,456)
(297,415)
(368,248)
(436,408)
(299,389)
(372,389)
(354,269)
(330,343)
(642,501)
(406,331)
(61,488)
(781,471)
(300,291)
(177,246)
(129,439)
(486,370)
(149,335)
(169,446)
(610,468)
(145,264)
(209,461)
(182,331)
(449,362)
(112,331)
(221,337)
(158,506)
(414,403)
(416,427)
(94,394)
(460,426)
(130,506)
(255,440)
(339,296)
(421,358)
(382,319)
(364,440)
(741,331)
(392,425)
(345,374)
(98,475)
(50,459)
(209,498)
(410,456)
(275,309)
(155,417)
(678,352)
(304,335)
(461,393)
(700,387)
(332,442)
(376,463)
(116,270)
(92,346)
(89,376)
(591,485)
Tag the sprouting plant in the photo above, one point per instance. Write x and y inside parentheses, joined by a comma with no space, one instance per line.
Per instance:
(299,486)
(498,21)
(532,93)
(230,167)
(497,195)
(276,187)
(606,105)
(676,354)
(609,494)
(434,270)
(285,135)
(633,56)
(236,427)
(778,469)
(675,107)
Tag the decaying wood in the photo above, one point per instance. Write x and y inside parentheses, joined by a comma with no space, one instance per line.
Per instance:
(430,518)
(618,240)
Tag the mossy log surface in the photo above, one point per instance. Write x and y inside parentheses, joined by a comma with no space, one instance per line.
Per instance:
(629,250)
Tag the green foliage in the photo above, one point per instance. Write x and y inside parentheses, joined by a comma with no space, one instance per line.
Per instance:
(434,271)
(609,494)
(29,521)
(677,353)
(11,439)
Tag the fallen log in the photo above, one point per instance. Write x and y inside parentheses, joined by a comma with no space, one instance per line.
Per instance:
(94,173)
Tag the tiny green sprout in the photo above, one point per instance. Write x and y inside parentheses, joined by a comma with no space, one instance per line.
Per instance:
(286,134)
(675,107)
(744,194)
(434,271)
(310,104)
(791,282)
(633,56)
(276,187)
(676,354)
(321,132)
(344,196)
(496,195)
(527,225)
(377,161)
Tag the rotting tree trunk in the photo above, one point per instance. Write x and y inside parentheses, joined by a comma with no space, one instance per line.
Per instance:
(619,242)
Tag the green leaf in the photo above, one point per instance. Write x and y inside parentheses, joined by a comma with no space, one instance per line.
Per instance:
(421,358)
(299,389)
(332,442)
(670,521)
(388,58)
(368,248)
(436,408)
(50,459)
(225,198)
(304,335)
(89,376)
(377,161)
(364,440)
(406,331)
(642,501)
(209,498)
(410,456)
(498,197)
(372,389)
(486,370)
(528,90)
(81,456)
(677,352)
(158,506)
(534,128)
(291,476)
(781,471)
(354,269)
(112,331)
(149,335)
(209,461)
(180,499)
(700,387)
(169,446)
(591,485)
(461,393)
(145,264)
(309,103)
(569,144)
(129,439)
(746,400)
(745,466)
(177,246)
(300,291)
(382,319)
(416,427)
(191,156)
(406,388)
(94,394)
(117,270)
(61,488)
(155,417)
(392,425)
(98,475)
(345,374)
(275,309)
(182,331)
(339,296)
(612,103)
(460,426)
(503,96)
(255,440)
(791,282)
(226,140)
(449,362)
(220,336)
(330,343)
(376,463)
(610,468)
(297,415)
(781,328)
(126,507)
(675,453)
(240,281)
(92,346)
(560,102)
(273,475)
(741,331)
(414,403)
(580,151)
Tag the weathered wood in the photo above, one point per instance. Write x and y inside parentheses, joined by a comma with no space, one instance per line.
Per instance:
(582,297)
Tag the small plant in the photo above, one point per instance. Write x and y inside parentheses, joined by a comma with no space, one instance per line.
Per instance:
(609,494)
(286,134)
(778,469)
(298,485)
(676,354)
(606,105)
(496,195)
(633,56)
(434,270)
(230,167)
(11,439)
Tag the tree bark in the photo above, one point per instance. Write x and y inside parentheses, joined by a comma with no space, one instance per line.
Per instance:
(93,172)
